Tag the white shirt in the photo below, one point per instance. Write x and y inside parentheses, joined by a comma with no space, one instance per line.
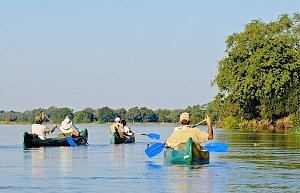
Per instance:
(66,126)
(127,129)
(40,130)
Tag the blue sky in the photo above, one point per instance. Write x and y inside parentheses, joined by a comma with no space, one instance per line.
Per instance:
(120,54)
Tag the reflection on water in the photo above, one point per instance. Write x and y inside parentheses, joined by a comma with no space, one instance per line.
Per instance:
(152,165)
(38,156)
(118,156)
(60,158)
(65,165)
(195,178)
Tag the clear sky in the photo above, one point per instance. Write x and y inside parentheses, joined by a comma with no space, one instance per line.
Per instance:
(119,53)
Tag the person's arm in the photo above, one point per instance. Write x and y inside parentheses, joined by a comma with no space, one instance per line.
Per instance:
(122,130)
(209,128)
(47,130)
(54,126)
(74,132)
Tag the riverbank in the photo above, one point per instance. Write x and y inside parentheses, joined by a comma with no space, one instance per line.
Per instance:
(284,125)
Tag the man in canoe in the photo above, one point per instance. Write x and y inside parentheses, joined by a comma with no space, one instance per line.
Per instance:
(39,129)
(66,128)
(181,134)
(117,127)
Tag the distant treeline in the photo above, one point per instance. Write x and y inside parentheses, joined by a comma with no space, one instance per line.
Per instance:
(106,114)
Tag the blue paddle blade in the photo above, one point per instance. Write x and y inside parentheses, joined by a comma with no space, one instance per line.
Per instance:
(153,136)
(154,149)
(71,142)
(217,147)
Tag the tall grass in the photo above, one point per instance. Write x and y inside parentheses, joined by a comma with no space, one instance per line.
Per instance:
(279,126)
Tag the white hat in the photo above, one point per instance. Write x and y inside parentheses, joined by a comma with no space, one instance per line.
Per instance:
(117,119)
(65,124)
(67,120)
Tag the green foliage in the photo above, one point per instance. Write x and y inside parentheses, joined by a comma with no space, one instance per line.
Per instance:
(296,122)
(105,114)
(163,115)
(57,115)
(120,113)
(230,123)
(141,115)
(174,115)
(83,117)
(8,117)
(261,70)
(197,113)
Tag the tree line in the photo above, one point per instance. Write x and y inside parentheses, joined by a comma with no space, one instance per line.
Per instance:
(106,114)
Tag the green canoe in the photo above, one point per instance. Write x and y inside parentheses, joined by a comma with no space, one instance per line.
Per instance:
(189,155)
(34,141)
(116,139)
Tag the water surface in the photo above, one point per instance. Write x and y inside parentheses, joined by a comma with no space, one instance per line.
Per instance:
(254,163)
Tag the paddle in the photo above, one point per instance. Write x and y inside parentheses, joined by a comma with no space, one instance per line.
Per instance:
(79,133)
(217,147)
(151,135)
(156,148)
(69,139)
(199,123)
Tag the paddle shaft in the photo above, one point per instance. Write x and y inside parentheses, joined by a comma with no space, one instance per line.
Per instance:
(49,120)
(199,123)
(151,135)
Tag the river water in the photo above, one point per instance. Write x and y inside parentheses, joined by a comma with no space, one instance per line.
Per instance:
(253,163)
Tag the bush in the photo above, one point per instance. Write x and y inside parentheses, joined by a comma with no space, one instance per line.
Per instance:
(229,123)
(296,123)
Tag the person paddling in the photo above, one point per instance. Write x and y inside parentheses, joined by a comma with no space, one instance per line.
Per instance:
(126,128)
(66,128)
(39,129)
(117,127)
(181,134)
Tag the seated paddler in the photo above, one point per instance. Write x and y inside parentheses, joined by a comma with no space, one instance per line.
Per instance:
(181,134)
(39,129)
(118,127)
(66,128)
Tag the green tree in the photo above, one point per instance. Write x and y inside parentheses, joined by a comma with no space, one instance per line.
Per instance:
(163,115)
(10,116)
(175,114)
(105,114)
(25,117)
(197,113)
(261,69)
(58,114)
(120,113)
(83,117)
(147,115)
(134,115)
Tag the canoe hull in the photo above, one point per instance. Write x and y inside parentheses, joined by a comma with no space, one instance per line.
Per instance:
(188,155)
(116,139)
(33,141)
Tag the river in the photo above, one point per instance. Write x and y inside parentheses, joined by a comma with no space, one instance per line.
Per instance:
(253,163)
